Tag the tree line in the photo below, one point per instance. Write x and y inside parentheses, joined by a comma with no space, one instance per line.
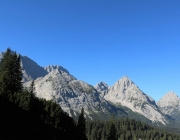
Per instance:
(23,116)
(126,129)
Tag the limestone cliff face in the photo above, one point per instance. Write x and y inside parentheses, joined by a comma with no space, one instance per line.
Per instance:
(126,93)
(169,104)
(102,88)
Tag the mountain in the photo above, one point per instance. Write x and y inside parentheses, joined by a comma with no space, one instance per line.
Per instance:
(169,104)
(55,82)
(31,70)
(52,67)
(126,93)
(123,99)
(102,88)
(72,94)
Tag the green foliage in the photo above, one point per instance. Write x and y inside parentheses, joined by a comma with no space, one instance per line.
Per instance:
(22,99)
(81,125)
(10,73)
(127,129)
(111,131)
(23,112)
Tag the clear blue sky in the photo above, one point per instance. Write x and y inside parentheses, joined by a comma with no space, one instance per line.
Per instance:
(99,40)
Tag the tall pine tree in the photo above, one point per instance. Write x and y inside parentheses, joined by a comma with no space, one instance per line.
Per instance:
(10,73)
(111,132)
(17,73)
(81,125)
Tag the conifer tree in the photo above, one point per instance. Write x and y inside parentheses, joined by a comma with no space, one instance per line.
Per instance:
(81,125)
(17,73)
(111,132)
(32,88)
(10,73)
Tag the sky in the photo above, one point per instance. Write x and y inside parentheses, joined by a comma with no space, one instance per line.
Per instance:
(99,40)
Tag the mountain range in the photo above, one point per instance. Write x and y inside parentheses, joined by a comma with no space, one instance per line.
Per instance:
(123,99)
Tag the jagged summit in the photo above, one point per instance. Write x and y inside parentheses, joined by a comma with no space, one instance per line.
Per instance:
(169,103)
(125,77)
(172,93)
(124,83)
(126,93)
(169,99)
(101,86)
(52,67)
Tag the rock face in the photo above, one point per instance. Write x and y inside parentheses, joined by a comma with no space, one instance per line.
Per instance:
(102,88)
(70,93)
(170,104)
(31,70)
(51,68)
(126,93)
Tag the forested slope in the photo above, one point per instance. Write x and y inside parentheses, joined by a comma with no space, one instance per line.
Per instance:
(127,129)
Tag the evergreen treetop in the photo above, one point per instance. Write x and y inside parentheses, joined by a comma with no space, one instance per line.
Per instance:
(81,125)
(111,132)
(10,73)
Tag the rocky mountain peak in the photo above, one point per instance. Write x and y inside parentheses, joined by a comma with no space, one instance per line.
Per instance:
(124,83)
(101,86)
(170,99)
(169,104)
(126,93)
(53,67)
(172,94)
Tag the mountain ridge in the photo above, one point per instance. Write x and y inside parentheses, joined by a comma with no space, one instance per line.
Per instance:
(54,82)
